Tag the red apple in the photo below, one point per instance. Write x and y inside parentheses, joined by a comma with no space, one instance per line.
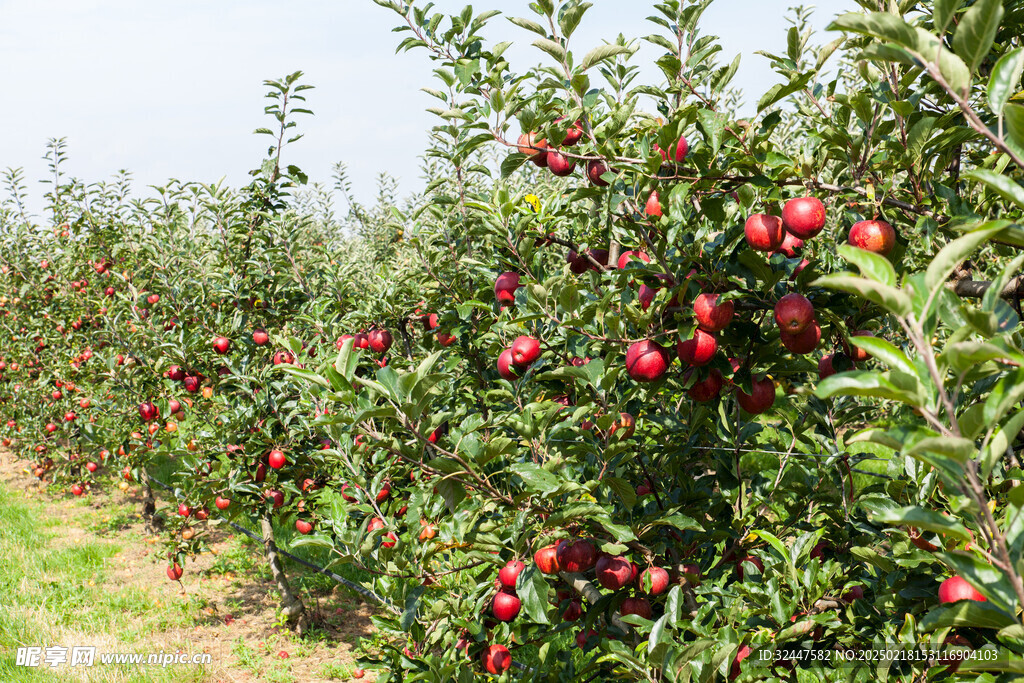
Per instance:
(790,244)
(956,588)
(654,581)
(221,345)
(763,232)
(510,572)
(260,338)
(804,217)
(525,350)
(595,169)
(708,388)
(380,340)
(303,526)
(506,366)
(614,571)
(506,605)
(559,164)
(647,361)
(697,350)
(628,256)
(638,606)
(505,287)
(760,399)
(712,316)
(794,313)
(874,236)
(653,206)
(222,503)
(276,459)
(803,342)
(576,555)
(741,654)
(536,149)
(546,560)
(496,659)
(682,148)
(174,572)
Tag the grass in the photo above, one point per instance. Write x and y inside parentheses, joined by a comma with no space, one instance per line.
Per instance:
(52,583)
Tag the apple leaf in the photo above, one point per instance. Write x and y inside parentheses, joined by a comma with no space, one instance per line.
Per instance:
(532,588)
(927,520)
(601,53)
(1004,79)
(976,31)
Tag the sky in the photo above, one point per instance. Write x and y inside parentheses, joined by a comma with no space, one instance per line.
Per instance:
(174,90)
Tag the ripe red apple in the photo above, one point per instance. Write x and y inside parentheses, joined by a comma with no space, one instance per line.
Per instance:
(276,496)
(174,405)
(380,340)
(148,412)
(875,236)
(546,560)
(505,287)
(804,217)
(577,555)
(682,148)
(760,399)
(276,459)
(174,572)
(855,593)
(559,164)
(583,636)
(510,572)
(536,149)
(506,366)
(506,605)
(789,246)
(260,338)
(628,256)
(654,581)
(647,361)
(303,526)
(638,606)
(184,510)
(614,571)
(857,354)
(708,388)
(741,654)
(280,358)
(573,611)
(191,383)
(496,659)
(956,588)
(573,135)
(445,339)
(525,350)
(580,264)
(222,503)
(176,373)
(794,313)
(358,673)
(221,345)
(91,466)
(627,423)
(803,342)
(697,350)
(763,232)
(84,403)
(77,489)
(595,169)
(712,316)
(744,559)
(653,206)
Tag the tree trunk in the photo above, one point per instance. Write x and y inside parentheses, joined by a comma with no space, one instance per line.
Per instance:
(153,523)
(291,605)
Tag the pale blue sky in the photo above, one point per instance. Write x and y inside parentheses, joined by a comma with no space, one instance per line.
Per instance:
(174,89)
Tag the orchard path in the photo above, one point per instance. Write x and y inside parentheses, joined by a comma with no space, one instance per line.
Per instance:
(125,602)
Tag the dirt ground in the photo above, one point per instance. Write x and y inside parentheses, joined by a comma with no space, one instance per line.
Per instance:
(229,611)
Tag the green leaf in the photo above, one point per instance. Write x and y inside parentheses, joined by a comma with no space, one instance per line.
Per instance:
(863,383)
(927,520)
(1014,119)
(1005,78)
(892,299)
(1007,392)
(1007,188)
(944,12)
(1000,442)
(985,577)
(528,25)
(532,588)
(535,477)
(976,31)
(966,613)
(871,264)
(601,53)
(954,253)
(551,47)
(884,351)
(956,448)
